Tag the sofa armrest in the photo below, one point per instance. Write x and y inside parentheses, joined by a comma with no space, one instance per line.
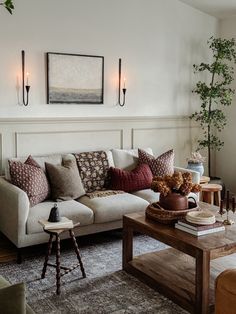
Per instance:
(14,210)
(195,174)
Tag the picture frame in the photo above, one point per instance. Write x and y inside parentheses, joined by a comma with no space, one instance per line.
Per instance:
(74,78)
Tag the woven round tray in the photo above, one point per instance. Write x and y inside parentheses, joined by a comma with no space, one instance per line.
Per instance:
(156,212)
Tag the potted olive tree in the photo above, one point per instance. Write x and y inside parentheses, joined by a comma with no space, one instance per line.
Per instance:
(215,94)
(8,4)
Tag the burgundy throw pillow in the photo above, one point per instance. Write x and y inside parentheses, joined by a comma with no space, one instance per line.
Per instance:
(30,177)
(160,166)
(129,181)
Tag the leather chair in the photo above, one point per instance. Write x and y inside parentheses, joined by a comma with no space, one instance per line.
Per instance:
(225,292)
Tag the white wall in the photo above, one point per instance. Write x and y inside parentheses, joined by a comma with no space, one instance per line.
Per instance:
(226,158)
(41,136)
(158,40)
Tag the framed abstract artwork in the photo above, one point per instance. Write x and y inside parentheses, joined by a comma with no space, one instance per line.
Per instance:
(74,79)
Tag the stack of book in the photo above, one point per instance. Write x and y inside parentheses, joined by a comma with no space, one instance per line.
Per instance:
(199,230)
(64,223)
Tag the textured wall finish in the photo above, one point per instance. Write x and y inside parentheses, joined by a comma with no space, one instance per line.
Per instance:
(225,159)
(158,41)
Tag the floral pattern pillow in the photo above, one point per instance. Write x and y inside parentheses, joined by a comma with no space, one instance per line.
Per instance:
(93,168)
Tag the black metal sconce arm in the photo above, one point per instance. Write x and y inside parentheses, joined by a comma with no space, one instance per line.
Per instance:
(123,89)
(27,87)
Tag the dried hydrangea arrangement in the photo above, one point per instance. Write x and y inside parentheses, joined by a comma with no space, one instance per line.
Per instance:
(196,158)
(177,183)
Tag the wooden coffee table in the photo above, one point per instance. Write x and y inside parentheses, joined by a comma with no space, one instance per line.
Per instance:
(184,273)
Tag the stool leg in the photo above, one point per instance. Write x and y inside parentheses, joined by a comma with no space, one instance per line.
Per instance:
(201,196)
(208,197)
(72,235)
(217,198)
(212,198)
(47,256)
(58,277)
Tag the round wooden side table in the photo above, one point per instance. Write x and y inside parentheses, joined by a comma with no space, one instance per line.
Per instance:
(57,233)
(211,193)
(204,179)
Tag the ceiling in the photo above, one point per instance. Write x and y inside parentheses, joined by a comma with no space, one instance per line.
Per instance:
(218,8)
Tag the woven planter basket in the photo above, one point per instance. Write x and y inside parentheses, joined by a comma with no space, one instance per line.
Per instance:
(155,212)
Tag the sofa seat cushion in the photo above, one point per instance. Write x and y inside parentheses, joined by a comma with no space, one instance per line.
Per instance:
(113,207)
(71,209)
(148,195)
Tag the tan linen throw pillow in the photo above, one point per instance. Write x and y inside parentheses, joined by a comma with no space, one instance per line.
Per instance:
(64,180)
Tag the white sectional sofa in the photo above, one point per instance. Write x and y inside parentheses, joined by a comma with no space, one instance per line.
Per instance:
(19,221)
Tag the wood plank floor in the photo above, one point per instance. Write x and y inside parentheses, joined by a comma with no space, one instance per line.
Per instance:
(7,250)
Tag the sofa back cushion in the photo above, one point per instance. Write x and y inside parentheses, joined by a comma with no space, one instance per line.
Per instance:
(129,181)
(161,165)
(55,159)
(31,178)
(65,181)
(93,168)
(127,159)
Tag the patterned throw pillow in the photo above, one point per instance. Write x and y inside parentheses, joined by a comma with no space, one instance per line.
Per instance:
(160,166)
(93,168)
(139,178)
(29,177)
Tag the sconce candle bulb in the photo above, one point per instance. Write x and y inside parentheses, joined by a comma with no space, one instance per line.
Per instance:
(27,78)
(27,87)
(123,89)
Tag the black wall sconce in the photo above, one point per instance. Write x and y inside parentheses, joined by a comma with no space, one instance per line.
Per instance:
(27,87)
(123,89)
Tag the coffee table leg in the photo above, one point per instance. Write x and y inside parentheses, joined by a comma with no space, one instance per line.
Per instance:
(58,249)
(202,282)
(127,243)
(47,256)
(77,253)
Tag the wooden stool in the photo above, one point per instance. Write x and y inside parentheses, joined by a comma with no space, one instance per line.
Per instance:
(204,180)
(56,233)
(211,194)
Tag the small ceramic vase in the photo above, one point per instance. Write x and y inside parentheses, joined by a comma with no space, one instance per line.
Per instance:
(196,167)
(54,214)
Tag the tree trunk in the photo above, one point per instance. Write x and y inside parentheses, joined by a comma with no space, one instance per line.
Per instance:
(209,150)
(209,161)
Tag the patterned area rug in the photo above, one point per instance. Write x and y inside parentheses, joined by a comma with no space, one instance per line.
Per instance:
(107,289)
